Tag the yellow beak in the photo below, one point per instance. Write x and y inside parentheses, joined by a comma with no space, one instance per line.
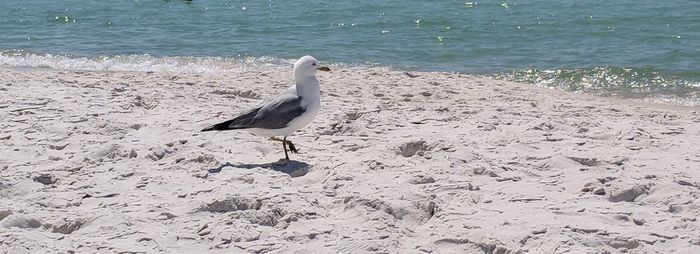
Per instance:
(324,68)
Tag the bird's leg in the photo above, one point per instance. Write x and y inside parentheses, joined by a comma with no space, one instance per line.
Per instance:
(292,147)
(286,143)
(284,146)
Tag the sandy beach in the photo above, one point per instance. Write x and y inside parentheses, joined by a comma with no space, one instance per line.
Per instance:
(395,162)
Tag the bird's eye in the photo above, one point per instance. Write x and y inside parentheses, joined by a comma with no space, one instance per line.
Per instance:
(313,64)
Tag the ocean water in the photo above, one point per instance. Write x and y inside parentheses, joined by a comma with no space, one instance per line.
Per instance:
(628,48)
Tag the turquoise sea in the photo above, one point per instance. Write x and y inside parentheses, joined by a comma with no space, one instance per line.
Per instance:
(626,48)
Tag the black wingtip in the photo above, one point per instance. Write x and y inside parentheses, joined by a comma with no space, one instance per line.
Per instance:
(217,127)
(224,126)
(210,128)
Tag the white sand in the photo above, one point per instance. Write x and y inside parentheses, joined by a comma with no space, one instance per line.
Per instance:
(439,163)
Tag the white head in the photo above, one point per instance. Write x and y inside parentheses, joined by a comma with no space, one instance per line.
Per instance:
(308,66)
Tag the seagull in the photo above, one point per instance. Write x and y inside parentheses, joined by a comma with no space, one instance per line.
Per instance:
(285,113)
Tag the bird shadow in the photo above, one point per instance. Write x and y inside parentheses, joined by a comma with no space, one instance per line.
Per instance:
(290,167)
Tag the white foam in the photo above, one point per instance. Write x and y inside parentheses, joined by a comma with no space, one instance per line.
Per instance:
(141,63)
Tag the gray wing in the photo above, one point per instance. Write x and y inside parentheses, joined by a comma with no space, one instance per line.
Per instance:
(275,113)
(278,112)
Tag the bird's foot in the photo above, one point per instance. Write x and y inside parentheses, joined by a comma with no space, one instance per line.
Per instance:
(292,148)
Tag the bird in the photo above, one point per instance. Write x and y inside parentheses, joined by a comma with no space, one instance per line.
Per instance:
(285,113)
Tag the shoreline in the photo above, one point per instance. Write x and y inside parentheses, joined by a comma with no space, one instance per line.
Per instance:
(606,81)
(428,162)
(673,105)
